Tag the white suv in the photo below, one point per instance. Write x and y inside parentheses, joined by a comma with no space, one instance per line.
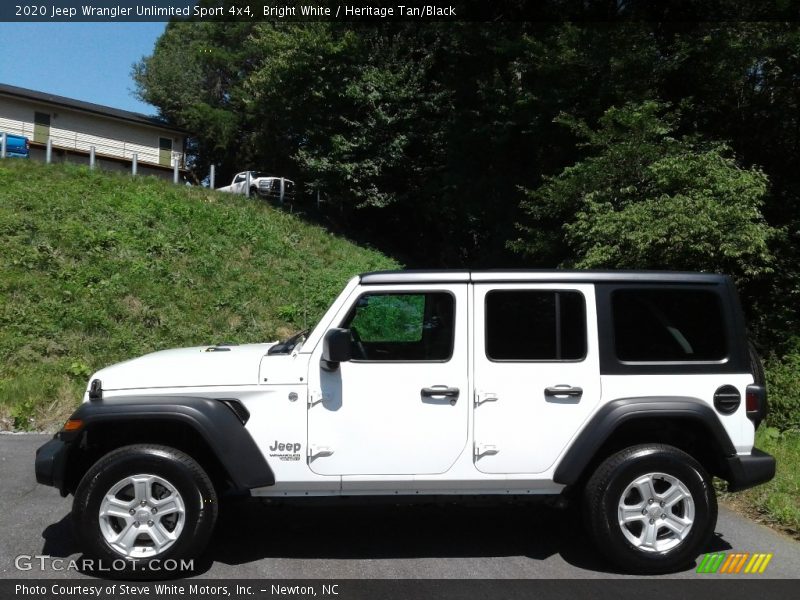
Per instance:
(621,391)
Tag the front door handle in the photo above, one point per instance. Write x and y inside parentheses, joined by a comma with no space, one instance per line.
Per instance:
(563,390)
(440,392)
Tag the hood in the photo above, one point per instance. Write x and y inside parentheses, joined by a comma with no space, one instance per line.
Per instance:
(187,367)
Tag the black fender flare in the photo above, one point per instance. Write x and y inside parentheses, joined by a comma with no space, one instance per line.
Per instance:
(214,420)
(613,414)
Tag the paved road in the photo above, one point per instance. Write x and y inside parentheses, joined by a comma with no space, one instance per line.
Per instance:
(254,540)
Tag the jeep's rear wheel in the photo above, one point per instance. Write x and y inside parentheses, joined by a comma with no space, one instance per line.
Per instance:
(144,502)
(656,512)
(651,508)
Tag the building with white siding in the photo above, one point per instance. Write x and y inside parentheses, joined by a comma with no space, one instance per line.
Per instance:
(75,126)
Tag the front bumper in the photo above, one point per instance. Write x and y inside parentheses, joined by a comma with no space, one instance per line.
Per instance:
(51,464)
(748,471)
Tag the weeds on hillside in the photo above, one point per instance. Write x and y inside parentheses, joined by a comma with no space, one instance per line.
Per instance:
(96,268)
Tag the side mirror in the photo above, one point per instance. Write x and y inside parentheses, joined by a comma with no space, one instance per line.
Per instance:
(336,348)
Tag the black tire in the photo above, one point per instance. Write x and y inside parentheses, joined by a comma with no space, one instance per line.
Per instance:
(603,496)
(254,192)
(179,470)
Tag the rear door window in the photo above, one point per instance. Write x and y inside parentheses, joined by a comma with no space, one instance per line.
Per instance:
(535,325)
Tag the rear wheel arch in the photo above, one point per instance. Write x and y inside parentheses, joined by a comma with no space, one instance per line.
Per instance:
(684,423)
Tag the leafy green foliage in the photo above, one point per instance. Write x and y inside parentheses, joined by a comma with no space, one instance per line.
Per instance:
(783,376)
(403,148)
(193,76)
(390,318)
(645,199)
(98,268)
(423,140)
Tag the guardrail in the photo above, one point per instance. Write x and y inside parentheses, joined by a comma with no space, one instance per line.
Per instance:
(96,146)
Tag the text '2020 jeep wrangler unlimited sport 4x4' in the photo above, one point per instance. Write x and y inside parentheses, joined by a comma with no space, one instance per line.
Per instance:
(628,389)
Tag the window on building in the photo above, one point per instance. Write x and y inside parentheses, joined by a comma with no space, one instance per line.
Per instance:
(165,151)
(41,127)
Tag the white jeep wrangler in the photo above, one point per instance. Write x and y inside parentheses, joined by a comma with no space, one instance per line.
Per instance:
(623,391)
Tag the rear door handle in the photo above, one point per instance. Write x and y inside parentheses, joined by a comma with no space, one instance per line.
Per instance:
(563,390)
(440,392)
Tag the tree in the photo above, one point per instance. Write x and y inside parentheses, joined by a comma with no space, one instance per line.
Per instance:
(424,139)
(194,77)
(645,199)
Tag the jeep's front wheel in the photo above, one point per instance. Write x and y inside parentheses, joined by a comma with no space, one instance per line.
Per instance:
(651,508)
(144,502)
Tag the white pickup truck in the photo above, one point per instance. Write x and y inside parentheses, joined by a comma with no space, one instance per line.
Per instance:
(256,183)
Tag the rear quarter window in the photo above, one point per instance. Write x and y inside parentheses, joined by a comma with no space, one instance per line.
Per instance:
(653,325)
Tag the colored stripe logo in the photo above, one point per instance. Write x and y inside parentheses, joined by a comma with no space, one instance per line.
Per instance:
(734,563)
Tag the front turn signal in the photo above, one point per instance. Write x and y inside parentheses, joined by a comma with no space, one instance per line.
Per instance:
(73,425)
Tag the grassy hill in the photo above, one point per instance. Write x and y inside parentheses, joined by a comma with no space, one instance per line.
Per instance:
(96,268)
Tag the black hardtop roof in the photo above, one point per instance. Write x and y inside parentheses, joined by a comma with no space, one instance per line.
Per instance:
(534,275)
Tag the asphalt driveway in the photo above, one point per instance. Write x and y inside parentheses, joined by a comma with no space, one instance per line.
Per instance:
(254,540)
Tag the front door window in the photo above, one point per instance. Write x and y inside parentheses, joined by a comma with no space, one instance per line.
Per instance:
(402,327)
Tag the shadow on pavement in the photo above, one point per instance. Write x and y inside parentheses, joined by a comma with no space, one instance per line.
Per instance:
(407,531)
(249,530)
(59,539)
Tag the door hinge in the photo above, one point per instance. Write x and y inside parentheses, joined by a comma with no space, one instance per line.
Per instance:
(315,397)
(482,450)
(481,397)
(319,452)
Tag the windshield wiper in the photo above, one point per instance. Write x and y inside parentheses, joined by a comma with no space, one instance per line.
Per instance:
(286,346)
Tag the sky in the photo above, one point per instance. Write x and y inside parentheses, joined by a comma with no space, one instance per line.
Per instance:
(83,61)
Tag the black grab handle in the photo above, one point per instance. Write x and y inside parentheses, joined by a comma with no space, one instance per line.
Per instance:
(563,391)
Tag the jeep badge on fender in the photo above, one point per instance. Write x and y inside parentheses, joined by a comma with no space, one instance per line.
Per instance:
(286,447)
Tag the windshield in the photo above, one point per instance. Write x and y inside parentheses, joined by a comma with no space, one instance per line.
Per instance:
(288,345)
